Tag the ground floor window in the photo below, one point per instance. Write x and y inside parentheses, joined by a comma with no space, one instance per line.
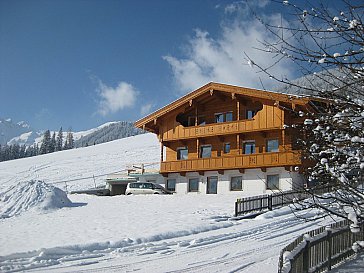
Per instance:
(236,183)
(212,185)
(273,182)
(171,185)
(193,184)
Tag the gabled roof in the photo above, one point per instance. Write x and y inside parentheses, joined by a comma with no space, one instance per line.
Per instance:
(212,86)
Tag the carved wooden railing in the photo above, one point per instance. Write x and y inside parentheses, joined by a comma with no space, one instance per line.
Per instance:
(261,160)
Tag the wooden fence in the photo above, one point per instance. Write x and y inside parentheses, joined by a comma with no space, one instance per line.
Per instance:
(269,201)
(320,249)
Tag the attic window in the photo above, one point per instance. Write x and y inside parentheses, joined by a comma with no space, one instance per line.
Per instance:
(250,114)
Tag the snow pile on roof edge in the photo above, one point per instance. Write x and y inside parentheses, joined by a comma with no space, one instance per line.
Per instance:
(31,195)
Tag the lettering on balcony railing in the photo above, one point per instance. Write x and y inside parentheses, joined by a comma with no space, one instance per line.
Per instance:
(252,160)
(216,128)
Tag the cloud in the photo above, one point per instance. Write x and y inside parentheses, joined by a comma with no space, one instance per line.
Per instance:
(146,109)
(115,99)
(222,59)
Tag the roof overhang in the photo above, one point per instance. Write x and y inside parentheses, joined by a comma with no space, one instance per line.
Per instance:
(234,90)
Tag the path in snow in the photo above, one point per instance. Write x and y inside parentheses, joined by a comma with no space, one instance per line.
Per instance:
(231,246)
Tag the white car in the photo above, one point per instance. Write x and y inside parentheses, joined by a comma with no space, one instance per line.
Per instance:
(145,188)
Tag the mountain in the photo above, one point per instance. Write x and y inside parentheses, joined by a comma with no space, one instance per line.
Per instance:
(105,133)
(22,134)
(9,130)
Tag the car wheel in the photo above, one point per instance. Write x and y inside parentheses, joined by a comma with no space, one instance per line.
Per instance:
(129,193)
(156,193)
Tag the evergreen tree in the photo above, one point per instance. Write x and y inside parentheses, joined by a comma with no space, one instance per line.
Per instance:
(59,140)
(53,143)
(46,142)
(69,143)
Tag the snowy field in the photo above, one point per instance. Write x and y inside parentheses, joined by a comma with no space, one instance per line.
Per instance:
(44,230)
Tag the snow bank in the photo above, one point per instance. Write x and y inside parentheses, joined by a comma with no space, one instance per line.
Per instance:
(31,194)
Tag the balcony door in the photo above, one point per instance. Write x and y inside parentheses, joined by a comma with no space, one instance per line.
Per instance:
(211,185)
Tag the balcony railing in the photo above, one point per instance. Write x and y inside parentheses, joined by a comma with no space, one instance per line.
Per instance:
(261,160)
(267,119)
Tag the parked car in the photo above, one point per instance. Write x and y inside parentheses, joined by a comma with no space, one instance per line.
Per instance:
(145,188)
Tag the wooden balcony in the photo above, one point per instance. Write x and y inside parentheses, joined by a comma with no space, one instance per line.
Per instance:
(261,160)
(269,118)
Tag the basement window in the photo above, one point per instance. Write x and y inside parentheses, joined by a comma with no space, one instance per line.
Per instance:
(273,182)
(193,185)
(236,183)
(171,185)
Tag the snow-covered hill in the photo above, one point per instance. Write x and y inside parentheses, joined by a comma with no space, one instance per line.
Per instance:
(66,167)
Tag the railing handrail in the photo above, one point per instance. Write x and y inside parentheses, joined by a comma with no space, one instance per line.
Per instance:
(276,199)
(304,252)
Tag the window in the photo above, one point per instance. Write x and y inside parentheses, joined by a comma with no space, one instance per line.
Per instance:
(229,116)
(272,145)
(223,117)
(171,184)
(249,147)
(250,114)
(191,121)
(219,117)
(226,147)
(182,153)
(236,183)
(273,182)
(205,151)
(201,120)
(193,185)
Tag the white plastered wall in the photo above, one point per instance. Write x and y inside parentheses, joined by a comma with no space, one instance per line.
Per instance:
(254,181)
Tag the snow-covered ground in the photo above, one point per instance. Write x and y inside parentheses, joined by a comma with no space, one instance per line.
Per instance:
(173,233)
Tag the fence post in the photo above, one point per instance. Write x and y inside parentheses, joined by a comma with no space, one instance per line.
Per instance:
(305,257)
(329,254)
(236,208)
(270,202)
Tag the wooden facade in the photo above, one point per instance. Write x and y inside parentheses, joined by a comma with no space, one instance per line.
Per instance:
(221,127)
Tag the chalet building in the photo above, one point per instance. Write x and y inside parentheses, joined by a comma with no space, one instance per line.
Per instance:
(222,138)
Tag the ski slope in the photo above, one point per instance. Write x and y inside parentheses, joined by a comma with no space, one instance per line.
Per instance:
(174,233)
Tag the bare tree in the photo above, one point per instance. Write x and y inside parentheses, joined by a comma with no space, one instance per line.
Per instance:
(326,45)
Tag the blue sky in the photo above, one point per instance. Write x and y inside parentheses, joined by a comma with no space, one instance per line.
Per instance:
(80,63)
